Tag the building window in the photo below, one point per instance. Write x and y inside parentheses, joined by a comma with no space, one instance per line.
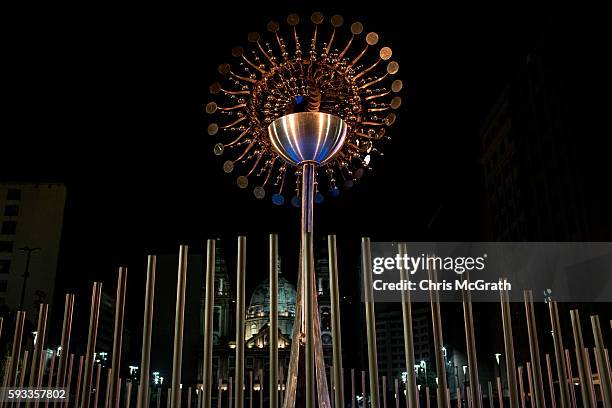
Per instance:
(9,227)
(3,285)
(6,246)
(5,266)
(13,194)
(11,211)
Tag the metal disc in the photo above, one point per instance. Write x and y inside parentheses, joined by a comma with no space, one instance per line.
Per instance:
(242,182)
(334,191)
(385,53)
(224,69)
(213,128)
(214,88)
(372,38)
(337,20)
(237,51)
(317,17)
(356,28)
(392,67)
(228,166)
(397,85)
(390,119)
(293,20)
(295,201)
(278,199)
(348,184)
(218,149)
(253,37)
(259,192)
(396,102)
(318,198)
(359,173)
(273,26)
(211,107)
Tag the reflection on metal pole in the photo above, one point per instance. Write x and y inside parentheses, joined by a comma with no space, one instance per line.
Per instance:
(240,311)
(273,323)
(551,388)
(509,348)
(564,395)
(118,335)
(16,350)
(96,295)
(65,343)
(309,362)
(336,328)
(436,319)
(411,388)
(583,372)
(39,346)
(142,400)
(179,321)
(534,349)
(470,341)
(366,267)
(602,363)
(209,301)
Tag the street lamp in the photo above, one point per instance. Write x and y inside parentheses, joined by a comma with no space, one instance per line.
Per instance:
(28,251)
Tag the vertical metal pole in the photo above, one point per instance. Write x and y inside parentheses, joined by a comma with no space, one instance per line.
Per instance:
(309,356)
(470,341)
(209,302)
(230,391)
(179,321)
(24,367)
(240,312)
(261,388)
(128,395)
(411,388)
(16,350)
(534,349)
(490,391)
(68,380)
(564,394)
(91,343)
(521,387)
(366,267)
(39,347)
(551,387)
(509,349)
(602,363)
(439,343)
(589,371)
(583,373)
(273,322)
(396,389)
(118,335)
(427,397)
(147,330)
(189,397)
(531,384)
(97,393)
(78,383)
(500,393)
(336,327)
(50,376)
(250,387)
(219,393)
(353,392)
(363,387)
(570,375)
(384,388)
(65,343)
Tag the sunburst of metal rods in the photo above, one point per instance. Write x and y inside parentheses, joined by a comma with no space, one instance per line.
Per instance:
(313,70)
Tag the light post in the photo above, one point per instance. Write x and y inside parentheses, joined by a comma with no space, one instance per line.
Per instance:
(26,274)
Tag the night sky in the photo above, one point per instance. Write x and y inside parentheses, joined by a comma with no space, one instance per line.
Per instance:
(109,100)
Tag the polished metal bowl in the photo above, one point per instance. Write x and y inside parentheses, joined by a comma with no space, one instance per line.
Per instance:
(304,137)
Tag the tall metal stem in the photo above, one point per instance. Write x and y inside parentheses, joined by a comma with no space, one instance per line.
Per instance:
(509,348)
(564,393)
(366,267)
(240,311)
(179,321)
(88,359)
(209,301)
(273,323)
(411,388)
(470,341)
(143,391)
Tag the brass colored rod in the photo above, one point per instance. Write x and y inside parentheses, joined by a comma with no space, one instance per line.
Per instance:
(209,300)
(470,341)
(179,321)
(142,399)
(500,393)
(68,379)
(78,383)
(118,334)
(521,387)
(39,347)
(335,316)
(24,366)
(570,375)
(439,343)
(97,393)
(583,372)
(602,363)
(88,359)
(509,349)
(309,356)
(366,267)
(240,312)
(534,349)
(550,381)
(65,343)
(411,388)
(353,392)
(564,394)
(273,323)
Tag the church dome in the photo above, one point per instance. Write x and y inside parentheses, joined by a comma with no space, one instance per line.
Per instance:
(260,299)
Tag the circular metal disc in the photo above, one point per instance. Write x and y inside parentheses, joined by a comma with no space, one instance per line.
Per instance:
(385,53)
(273,26)
(317,17)
(237,51)
(253,37)
(393,67)
(278,199)
(358,173)
(224,69)
(259,192)
(396,102)
(337,20)
(296,202)
(293,20)
(372,38)
(397,85)
(228,166)
(390,119)
(214,88)
(356,28)
(242,182)
(218,149)
(213,128)
(211,107)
